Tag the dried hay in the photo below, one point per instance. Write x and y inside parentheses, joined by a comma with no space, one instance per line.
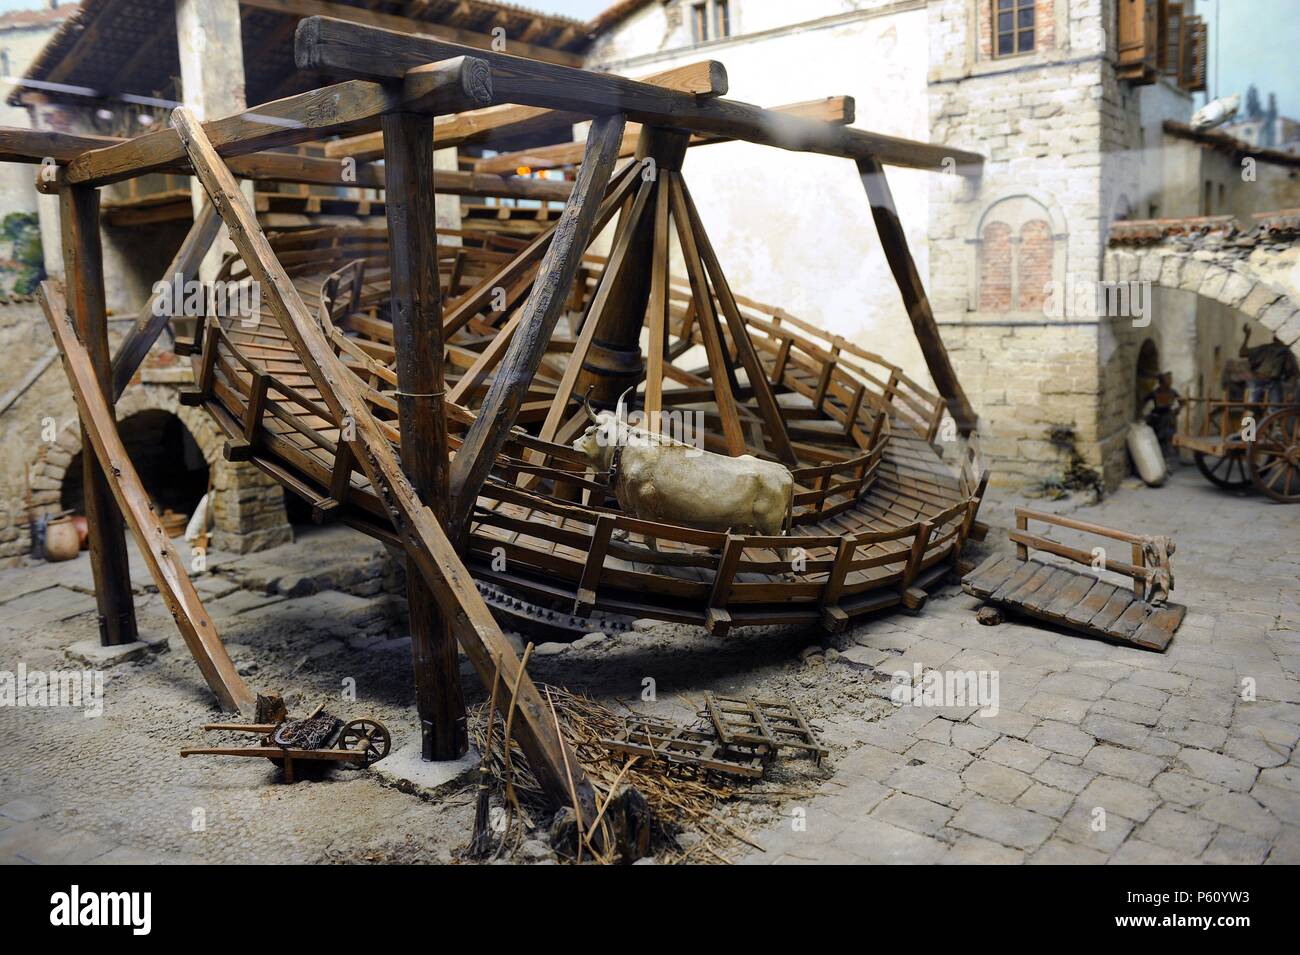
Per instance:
(680,803)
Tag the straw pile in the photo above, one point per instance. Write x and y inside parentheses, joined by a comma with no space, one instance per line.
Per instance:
(679,803)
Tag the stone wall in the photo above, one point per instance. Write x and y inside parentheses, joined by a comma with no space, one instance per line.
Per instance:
(41,435)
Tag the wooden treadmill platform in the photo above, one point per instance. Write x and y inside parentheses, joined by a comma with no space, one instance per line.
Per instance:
(1074,599)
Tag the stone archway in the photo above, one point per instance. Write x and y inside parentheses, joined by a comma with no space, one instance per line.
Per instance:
(1255,270)
(248,507)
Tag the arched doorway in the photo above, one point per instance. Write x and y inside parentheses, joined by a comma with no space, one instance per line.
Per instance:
(167,458)
(1148,370)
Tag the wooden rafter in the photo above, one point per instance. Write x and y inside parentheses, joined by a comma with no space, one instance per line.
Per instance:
(451,85)
(704,78)
(659,315)
(767,406)
(910,286)
(573,368)
(835,109)
(152,319)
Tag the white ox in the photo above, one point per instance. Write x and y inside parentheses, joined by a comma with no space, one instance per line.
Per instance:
(658,479)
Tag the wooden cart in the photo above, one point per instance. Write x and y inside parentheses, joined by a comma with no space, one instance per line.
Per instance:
(1269,462)
(359,742)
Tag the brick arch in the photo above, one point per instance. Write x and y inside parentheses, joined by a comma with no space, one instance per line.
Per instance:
(248,506)
(1230,275)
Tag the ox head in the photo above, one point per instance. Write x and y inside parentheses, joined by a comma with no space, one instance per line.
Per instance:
(606,431)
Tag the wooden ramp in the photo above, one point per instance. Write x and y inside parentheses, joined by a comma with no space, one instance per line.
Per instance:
(1074,598)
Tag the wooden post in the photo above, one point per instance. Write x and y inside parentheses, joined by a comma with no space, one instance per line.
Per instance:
(917,303)
(418,341)
(83,264)
(614,360)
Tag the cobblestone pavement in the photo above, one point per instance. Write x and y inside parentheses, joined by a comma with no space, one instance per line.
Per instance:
(1098,753)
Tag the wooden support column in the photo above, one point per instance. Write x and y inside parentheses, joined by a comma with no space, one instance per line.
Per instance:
(418,341)
(614,359)
(912,289)
(83,263)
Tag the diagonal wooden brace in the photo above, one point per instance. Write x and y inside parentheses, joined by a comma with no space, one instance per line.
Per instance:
(165,565)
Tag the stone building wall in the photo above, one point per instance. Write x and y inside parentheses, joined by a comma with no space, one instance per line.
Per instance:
(1037,213)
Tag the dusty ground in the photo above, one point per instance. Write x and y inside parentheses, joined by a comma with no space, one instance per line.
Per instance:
(1181,766)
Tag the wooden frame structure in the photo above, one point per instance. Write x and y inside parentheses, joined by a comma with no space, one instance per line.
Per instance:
(421,393)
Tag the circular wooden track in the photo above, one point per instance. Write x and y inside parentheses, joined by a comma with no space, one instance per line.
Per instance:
(879,514)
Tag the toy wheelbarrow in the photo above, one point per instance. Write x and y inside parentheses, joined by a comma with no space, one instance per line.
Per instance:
(359,742)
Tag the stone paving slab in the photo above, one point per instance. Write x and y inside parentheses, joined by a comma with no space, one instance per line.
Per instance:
(1099,753)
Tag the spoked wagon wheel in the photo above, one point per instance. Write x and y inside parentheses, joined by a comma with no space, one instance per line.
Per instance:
(375,734)
(1275,456)
(1229,471)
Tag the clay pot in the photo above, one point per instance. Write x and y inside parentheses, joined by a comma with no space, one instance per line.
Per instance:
(62,542)
(83,530)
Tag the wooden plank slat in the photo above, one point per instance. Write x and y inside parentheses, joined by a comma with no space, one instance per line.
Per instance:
(1091,604)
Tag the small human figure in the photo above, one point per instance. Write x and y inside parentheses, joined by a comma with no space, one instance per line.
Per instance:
(1273,370)
(1161,408)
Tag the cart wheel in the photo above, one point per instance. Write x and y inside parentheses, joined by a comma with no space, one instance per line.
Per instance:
(357,730)
(1229,471)
(1275,456)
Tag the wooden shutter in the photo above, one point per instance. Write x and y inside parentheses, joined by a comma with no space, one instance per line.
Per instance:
(1195,51)
(1139,39)
(1171,45)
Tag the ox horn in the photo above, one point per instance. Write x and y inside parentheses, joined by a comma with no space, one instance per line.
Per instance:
(586,406)
(620,411)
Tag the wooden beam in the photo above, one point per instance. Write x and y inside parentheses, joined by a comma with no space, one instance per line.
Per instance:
(834,109)
(417,340)
(34,146)
(470,38)
(705,78)
(542,310)
(719,368)
(154,316)
(660,312)
(165,566)
(333,46)
(910,286)
(449,86)
(559,774)
(83,263)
